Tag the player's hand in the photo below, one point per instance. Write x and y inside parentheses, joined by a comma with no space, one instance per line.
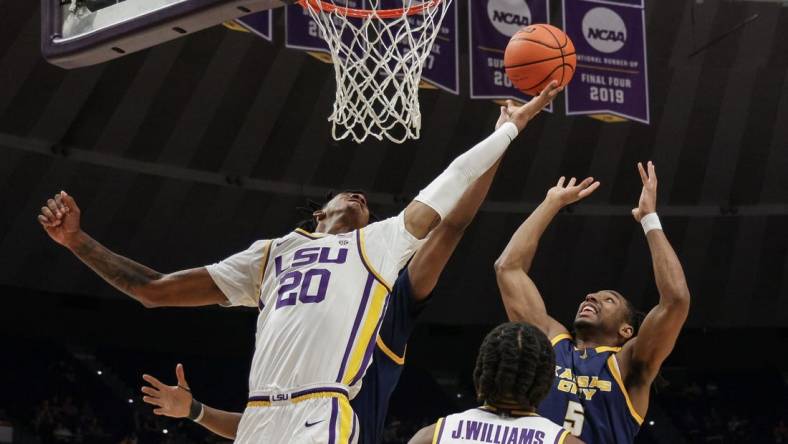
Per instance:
(648,197)
(170,400)
(60,218)
(572,192)
(521,115)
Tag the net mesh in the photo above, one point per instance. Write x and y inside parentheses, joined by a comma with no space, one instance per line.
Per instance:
(378,57)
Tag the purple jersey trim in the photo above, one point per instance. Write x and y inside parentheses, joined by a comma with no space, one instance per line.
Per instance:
(353,430)
(332,425)
(268,249)
(356,323)
(440,431)
(295,395)
(558,436)
(370,345)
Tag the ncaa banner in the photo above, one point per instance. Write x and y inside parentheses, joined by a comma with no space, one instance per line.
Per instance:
(492,23)
(612,71)
(260,23)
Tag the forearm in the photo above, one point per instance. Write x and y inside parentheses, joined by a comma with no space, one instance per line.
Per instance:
(522,247)
(668,272)
(122,273)
(428,264)
(462,215)
(220,422)
(443,194)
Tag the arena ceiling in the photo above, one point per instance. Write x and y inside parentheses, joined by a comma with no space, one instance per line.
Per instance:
(185,153)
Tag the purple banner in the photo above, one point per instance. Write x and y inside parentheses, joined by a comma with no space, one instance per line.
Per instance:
(260,23)
(492,23)
(442,67)
(302,32)
(638,3)
(612,72)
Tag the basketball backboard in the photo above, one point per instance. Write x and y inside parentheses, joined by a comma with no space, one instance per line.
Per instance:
(76,33)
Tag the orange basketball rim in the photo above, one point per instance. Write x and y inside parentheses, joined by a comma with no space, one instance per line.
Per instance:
(329,7)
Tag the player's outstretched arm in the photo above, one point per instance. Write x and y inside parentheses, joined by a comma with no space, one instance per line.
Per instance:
(176,401)
(643,356)
(429,262)
(60,218)
(441,196)
(521,297)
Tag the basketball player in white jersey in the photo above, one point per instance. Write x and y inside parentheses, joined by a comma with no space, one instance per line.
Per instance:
(321,295)
(514,372)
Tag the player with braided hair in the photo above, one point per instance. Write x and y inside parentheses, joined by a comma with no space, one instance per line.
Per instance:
(514,372)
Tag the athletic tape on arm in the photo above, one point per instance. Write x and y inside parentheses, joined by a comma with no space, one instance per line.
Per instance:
(446,190)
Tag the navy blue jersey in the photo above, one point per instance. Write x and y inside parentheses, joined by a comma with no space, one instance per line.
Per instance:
(588,396)
(372,402)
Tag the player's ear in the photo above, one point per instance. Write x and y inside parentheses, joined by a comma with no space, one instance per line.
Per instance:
(626,331)
(319,215)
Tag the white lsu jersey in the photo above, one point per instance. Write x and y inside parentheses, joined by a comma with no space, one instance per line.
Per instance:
(486,426)
(321,299)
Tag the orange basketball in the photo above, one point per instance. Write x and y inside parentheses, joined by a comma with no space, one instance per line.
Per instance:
(538,54)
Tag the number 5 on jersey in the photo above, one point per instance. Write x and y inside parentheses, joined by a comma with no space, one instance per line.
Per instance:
(575,416)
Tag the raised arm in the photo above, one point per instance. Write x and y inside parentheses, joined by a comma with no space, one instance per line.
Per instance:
(441,196)
(429,262)
(61,220)
(643,356)
(521,297)
(176,401)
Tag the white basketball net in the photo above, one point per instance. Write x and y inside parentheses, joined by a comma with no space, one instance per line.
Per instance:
(378,63)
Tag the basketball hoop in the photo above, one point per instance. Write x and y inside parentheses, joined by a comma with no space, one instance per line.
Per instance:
(378,57)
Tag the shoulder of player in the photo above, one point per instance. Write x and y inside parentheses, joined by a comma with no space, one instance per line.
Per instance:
(546,425)
(300,236)
(560,337)
(623,358)
(634,374)
(385,226)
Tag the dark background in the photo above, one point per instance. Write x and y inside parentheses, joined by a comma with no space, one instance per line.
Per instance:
(188,152)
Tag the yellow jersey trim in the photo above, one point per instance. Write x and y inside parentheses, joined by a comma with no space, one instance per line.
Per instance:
(368,328)
(600,349)
(436,434)
(612,364)
(258,404)
(310,235)
(298,399)
(559,338)
(564,434)
(362,247)
(345,420)
(266,255)
(388,352)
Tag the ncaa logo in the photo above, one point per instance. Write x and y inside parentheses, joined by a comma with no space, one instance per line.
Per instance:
(508,16)
(604,30)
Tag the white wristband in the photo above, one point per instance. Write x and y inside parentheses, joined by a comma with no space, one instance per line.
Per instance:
(650,222)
